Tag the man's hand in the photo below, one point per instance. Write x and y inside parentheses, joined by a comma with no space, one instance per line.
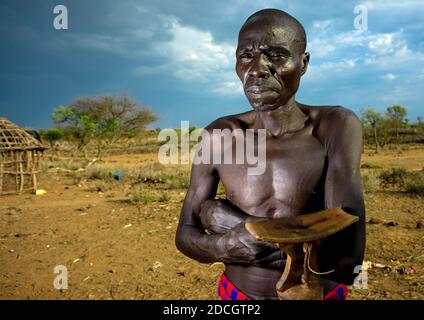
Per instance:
(218,218)
(240,247)
(237,245)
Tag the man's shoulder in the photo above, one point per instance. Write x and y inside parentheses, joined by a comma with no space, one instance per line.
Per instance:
(333,117)
(231,122)
(333,121)
(345,117)
(329,113)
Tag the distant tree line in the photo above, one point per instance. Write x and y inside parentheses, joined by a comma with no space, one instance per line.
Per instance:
(388,127)
(104,120)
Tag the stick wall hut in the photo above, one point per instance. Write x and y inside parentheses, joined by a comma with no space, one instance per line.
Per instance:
(20,159)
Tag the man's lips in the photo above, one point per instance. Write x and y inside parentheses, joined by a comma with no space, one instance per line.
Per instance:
(259,89)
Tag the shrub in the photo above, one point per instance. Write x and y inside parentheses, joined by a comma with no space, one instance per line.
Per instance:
(151,173)
(52,135)
(140,197)
(100,172)
(369,165)
(103,186)
(180,180)
(163,197)
(46,165)
(393,177)
(415,183)
(171,177)
(370,183)
(76,165)
(60,164)
(147,198)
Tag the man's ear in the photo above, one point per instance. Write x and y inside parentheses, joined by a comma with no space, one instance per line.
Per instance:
(305,62)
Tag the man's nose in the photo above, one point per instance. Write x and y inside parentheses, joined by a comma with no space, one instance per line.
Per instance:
(259,68)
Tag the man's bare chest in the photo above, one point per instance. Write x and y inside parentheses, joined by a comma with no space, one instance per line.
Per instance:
(292,169)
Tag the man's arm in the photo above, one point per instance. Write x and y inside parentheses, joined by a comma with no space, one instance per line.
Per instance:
(344,250)
(234,246)
(191,239)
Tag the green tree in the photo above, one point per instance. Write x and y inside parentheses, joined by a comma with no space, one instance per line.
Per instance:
(103,119)
(372,119)
(396,115)
(419,124)
(52,136)
(76,125)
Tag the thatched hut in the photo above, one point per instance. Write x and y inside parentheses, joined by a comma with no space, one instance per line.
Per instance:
(20,159)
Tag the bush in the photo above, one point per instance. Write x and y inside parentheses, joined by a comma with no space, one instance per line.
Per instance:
(179,181)
(369,165)
(98,172)
(76,165)
(52,135)
(171,177)
(163,197)
(370,183)
(415,183)
(151,173)
(103,186)
(104,172)
(395,177)
(141,196)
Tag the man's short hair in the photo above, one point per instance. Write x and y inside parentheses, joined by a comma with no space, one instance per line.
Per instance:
(282,18)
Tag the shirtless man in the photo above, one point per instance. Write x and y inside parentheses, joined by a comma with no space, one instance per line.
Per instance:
(312,163)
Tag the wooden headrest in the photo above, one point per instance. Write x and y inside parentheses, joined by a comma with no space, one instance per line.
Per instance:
(301,228)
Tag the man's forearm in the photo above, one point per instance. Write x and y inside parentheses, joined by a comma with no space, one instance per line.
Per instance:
(219,216)
(197,244)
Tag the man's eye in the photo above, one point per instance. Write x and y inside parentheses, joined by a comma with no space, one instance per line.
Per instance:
(246,55)
(277,56)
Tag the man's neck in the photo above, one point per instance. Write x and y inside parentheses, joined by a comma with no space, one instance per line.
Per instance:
(284,119)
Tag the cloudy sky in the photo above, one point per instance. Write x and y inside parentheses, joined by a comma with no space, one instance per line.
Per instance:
(178,56)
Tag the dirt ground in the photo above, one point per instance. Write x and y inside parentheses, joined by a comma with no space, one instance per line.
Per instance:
(112,250)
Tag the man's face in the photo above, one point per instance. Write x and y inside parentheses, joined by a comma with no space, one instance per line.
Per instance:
(270,63)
